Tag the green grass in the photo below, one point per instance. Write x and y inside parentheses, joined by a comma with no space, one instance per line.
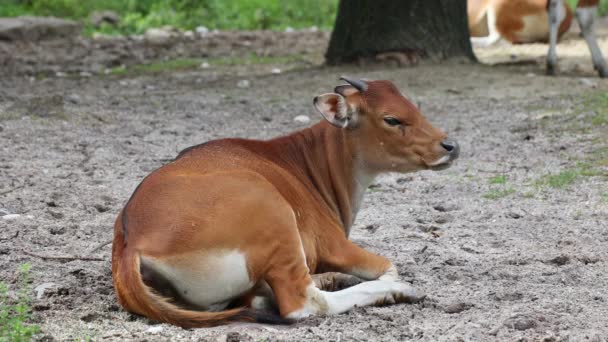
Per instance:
(498,193)
(598,104)
(194,63)
(501,179)
(565,178)
(15,313)
(138,15)
(498,187)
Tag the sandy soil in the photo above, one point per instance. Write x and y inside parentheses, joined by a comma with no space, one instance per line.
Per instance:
(515,261)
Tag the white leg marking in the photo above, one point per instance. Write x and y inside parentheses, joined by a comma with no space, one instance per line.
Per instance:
(364,294)
(555,6)
(391,274)
(493,37)
(586,18)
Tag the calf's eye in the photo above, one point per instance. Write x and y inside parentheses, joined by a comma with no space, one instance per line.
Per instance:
(392,121)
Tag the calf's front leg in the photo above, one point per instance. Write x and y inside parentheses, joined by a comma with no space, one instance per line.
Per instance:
(346,257)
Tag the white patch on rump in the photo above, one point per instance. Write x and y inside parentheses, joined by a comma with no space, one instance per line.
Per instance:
(209,280)
(536,27)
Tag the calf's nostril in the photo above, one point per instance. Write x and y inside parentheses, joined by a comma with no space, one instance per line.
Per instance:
(449,145)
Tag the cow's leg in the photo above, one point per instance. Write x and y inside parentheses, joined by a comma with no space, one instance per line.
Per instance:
(330,281)
(297,296)
(585,15)
(344,256)
(494,35)
(555,6)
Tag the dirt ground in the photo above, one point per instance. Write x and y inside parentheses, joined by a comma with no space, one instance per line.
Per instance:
(511,243)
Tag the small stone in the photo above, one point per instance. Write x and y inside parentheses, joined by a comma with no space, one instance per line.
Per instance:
(205,65)
(85,74)
(403,180)
(56,214)
(202,30)
(89,317)
(266,119)
(275,71)
(155,329)
(41,288)
(302,119)
(455,307)
(289,29)
(41,307)
(101,208)
(73,98)
(515,215)
(587,82)
(97,18)
(11,217)
(372,227)
(158,36)
(57,230)
(520,322)
(189,34)
(560,260)
(1,128)
(243,84)
(60,74)
(530,74)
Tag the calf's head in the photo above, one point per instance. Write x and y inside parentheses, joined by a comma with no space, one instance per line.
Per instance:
(389,132)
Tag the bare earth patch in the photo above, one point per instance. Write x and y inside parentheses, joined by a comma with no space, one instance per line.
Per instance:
(510,243)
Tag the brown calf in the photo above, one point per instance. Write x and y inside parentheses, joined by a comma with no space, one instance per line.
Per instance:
(234,226)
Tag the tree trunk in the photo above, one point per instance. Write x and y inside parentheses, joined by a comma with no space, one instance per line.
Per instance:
(436,29)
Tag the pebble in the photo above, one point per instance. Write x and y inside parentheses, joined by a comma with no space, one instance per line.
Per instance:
(10,217)
(455,307)
(189,34)
(73,98)
(302,119)
(155,329)
(243,84)
(275,71)
(520,323)
(560,260)
(289,29)
(41,288)
(205,65)
(515,215)
(587,82)
(202,30)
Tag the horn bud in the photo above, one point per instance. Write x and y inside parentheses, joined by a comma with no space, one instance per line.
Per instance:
(359,84)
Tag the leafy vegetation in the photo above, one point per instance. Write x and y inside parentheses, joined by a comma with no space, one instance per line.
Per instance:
(15,313)
(499,188)
(138,15)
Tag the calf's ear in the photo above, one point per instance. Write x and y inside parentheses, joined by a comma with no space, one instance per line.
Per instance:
(334,109)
